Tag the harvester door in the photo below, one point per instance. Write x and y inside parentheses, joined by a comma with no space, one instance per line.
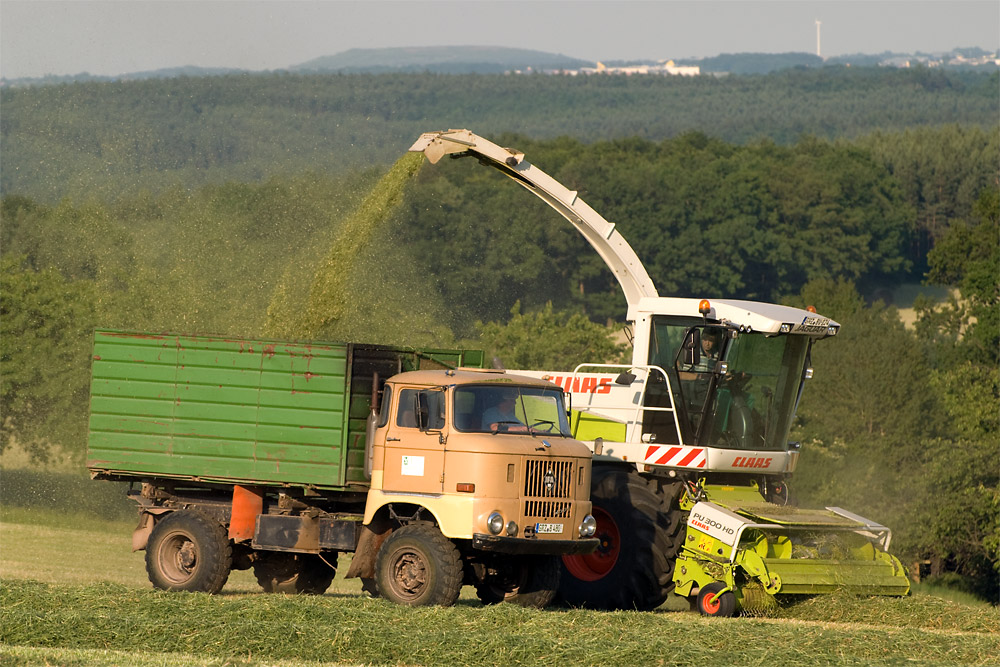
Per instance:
(696,366)
(414,453)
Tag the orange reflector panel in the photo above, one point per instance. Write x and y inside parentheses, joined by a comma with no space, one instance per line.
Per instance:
(465,488)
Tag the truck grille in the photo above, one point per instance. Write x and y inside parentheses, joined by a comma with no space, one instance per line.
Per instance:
(546,483)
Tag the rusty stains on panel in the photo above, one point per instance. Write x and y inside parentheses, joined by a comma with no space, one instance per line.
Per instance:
(120,334)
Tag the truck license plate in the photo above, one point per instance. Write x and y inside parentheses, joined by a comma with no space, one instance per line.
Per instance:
(548,528)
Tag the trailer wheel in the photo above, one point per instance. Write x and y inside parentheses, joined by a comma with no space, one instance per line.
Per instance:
(187,551)
(307,574)
(524,581)
(638,524)
(417,565)
(721,605)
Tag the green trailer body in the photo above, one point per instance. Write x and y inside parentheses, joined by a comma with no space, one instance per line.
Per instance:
(214,409)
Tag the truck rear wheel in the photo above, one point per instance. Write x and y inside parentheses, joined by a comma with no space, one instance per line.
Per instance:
(306,574)
(187,551)
(417,565)
(638,524)
(521,580)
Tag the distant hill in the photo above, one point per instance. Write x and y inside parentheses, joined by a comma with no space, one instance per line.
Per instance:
(441,59)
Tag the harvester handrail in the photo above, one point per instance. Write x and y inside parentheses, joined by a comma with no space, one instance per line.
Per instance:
(641,407)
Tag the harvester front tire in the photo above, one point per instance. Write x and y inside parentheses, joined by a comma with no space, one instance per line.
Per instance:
(721,605)
(417,565)
(525,581)
(304,574)
(187,551)
(639,525)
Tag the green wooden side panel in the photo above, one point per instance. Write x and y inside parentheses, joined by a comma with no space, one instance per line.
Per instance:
(259,412)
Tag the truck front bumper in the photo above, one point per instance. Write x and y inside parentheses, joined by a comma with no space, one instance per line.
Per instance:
(533,546)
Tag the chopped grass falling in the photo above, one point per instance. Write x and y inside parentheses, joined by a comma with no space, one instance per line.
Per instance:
(329,294)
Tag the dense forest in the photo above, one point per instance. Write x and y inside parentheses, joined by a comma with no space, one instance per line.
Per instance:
(115,138)
(246,205)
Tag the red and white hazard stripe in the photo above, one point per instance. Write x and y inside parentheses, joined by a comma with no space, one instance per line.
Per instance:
(676,456)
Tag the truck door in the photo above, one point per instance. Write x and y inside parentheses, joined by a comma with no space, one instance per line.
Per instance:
(414,453)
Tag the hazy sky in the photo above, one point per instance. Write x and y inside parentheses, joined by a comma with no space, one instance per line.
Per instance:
(39,37)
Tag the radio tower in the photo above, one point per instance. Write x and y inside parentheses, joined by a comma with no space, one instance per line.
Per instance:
(818,22)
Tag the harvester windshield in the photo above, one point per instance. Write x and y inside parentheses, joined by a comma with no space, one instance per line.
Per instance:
(732,390)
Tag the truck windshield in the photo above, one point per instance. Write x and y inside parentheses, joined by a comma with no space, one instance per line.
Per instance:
(510,409)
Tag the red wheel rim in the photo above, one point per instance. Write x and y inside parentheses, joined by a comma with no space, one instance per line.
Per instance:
(711,606)
(597,565)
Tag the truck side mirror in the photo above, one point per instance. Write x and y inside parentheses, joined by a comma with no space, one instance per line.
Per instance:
(692,348)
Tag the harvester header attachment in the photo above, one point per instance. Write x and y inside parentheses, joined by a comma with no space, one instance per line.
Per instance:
(741,546)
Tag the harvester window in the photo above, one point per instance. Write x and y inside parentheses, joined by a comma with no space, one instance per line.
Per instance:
(753,405)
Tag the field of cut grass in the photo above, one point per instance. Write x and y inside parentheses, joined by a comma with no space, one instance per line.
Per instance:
(73,593)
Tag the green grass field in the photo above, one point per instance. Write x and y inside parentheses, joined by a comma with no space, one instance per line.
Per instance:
(73,593)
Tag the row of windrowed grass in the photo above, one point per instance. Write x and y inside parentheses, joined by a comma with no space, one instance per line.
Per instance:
(146,624)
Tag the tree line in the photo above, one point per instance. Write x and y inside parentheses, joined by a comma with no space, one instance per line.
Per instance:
(119,138)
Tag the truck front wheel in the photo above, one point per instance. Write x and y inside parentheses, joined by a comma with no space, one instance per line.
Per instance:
(307,574)
(638,525)
(187,551)
(525,581)
(417,565)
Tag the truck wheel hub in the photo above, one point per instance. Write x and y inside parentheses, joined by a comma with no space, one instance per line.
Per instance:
(410,572)
(186,556)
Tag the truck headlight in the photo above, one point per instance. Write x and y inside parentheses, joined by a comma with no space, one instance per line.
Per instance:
(511,528)
(588,527)
(495,523)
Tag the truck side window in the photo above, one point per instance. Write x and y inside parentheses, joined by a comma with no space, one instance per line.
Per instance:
(420,408)
(406,413)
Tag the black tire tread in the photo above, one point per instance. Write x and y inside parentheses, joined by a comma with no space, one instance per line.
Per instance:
(304,574)
(540,582)
(442,556)
(651,531)
(215,552)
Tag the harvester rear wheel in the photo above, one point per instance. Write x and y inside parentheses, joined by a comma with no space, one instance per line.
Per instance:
(187,551)
(417,565)
(305,574)
(710,603)
(638,524)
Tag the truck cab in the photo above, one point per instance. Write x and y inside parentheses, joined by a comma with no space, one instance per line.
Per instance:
(518,484)
(486,457)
